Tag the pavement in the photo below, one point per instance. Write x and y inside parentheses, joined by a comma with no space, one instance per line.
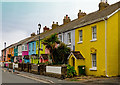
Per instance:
(51,80)
(42,78)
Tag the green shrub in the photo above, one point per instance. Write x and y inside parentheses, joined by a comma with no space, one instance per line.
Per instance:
(71,71)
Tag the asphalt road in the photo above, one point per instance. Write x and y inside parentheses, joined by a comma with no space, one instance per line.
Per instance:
(15,79)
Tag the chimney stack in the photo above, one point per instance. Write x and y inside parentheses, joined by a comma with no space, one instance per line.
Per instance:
(81,14)
(33,34)
(55,25)
(103,4)
(4,44)
(66,19)
(45,29)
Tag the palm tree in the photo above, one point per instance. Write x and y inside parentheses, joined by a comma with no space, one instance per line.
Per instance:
(51,43)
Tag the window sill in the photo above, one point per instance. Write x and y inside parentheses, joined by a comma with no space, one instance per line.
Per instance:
(93,69)
(93,40)
(80,42)
(69,44)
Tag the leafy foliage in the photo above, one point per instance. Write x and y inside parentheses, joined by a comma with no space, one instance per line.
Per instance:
(71,71)
(51,43)
(61,54)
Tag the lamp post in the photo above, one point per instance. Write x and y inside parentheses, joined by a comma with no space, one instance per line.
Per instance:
(39,27)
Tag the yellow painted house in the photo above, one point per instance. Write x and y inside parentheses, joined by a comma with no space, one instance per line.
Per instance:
(97,37)
(42,47)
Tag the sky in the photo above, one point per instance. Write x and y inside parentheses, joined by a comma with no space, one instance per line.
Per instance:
(20,18)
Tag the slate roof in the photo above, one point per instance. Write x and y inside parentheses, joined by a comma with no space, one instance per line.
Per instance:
(86,20)
(77,54)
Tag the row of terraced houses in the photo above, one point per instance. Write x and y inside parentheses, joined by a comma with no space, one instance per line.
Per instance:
(93,38)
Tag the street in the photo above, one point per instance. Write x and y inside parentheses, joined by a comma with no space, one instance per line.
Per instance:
(8,77)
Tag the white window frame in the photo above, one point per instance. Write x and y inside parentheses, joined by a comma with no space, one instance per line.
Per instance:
(60,37)
(26,47)
(80,35)
(22,47)
(41,46)
(69,37)
(94,33)
(94,67)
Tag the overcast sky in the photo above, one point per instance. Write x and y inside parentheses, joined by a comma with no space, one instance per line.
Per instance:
(20,17)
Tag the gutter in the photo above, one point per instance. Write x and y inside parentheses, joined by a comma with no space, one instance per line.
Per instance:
(105,19)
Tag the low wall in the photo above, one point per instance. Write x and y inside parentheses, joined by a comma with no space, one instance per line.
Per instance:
(56,71)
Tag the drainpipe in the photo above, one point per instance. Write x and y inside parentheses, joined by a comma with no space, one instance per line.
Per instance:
(105,19)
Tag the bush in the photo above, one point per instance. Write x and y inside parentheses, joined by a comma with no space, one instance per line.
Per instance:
(71,71)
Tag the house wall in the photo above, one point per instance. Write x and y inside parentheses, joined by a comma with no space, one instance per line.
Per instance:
(26,60)
(7,52)
(65,37)
(41,51)
(12,51)
(16,51)
(31,51)
(99,45)
(34,61)
(112,45)
(87,44)
(119,42)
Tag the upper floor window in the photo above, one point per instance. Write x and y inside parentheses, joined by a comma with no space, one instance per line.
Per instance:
(69,38)
(80,35)
(26,47)
(33,47)
(60,37)
(41,46)
(94,33)
(22,47)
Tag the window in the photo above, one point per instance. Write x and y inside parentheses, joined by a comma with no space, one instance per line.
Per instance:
(94,60)
(94,32)
(26,47)
(22,47)
(33,47)
(41,46)
(69,38)
(60,37)
(80,35)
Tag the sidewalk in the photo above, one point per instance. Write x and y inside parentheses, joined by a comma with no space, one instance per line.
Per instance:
(82,81)
(41,77)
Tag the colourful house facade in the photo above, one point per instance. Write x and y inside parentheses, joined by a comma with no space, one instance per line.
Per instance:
(99,42)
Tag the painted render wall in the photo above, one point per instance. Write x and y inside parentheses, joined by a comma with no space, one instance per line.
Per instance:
(16,51)
(119,42)
(65,37)
(112,45)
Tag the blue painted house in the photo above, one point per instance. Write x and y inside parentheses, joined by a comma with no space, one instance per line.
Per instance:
(32,48)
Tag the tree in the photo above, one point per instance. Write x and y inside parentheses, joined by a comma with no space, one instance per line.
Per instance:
(51,43)
(61,53)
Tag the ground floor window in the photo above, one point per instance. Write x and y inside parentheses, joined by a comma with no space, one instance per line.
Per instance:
(94,60)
